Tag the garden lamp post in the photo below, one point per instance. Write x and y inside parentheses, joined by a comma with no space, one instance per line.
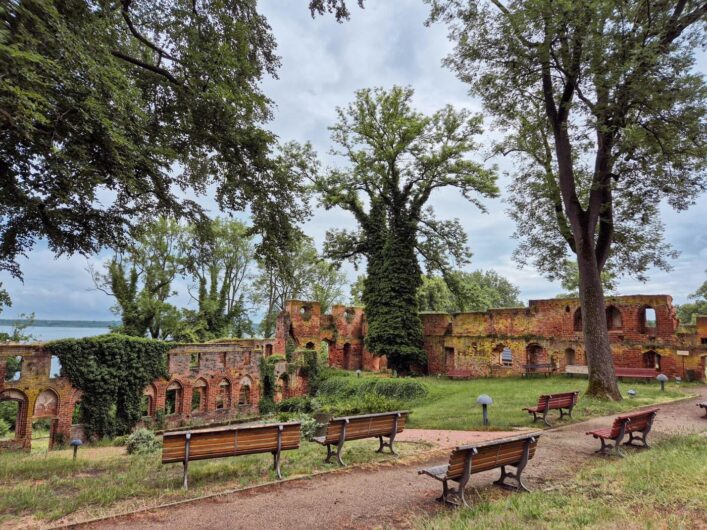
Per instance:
(632,392)
(76,443)
(662,378)
(358,373)
(485,401)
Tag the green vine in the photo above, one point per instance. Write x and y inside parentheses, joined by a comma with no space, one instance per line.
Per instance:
(267,383)
(112,372)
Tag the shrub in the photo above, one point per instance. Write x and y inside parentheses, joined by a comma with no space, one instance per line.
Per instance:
(308,423)
(367,404)
(266,406)
(120,441)
(395,389)
(4,427)
(295,404)
(142,442)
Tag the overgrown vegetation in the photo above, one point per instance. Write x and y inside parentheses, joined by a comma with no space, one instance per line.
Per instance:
(111,371)
(351,395)
(142,442)
(661,488)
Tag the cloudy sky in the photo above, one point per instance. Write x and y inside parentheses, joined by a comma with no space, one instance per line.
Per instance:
(323,63)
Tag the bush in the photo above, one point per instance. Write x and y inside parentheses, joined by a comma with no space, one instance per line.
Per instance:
(367,404)
(142,442)
(308,423)
(266,406)
(295,404)
(395,389)
(4,427)
(120,441)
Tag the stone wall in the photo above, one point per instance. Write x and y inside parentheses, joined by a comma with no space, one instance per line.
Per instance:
(547,331)
(226,377)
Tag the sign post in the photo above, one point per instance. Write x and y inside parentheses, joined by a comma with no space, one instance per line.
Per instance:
(683,354)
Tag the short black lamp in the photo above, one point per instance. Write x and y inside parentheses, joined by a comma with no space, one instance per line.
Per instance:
(76,443)
(632,392)
(678,380)
(358,373)
(485,401)
(662,378)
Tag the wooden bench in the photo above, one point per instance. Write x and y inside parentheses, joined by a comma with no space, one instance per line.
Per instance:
(636,422)
(383,425)
(565,400)
(203,444)
(704,406)
(636,373)
(541,368)
(577,369)
(466,460)
(459,374)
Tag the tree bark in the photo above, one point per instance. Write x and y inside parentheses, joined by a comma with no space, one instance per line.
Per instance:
(600,360)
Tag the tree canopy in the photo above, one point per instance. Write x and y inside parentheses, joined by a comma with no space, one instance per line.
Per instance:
(601,105)
(698,306)
(396,158)
(110,111)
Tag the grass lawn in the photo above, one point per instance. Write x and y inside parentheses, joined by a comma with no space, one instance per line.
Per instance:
(665,487)
(452,404)
(46,487)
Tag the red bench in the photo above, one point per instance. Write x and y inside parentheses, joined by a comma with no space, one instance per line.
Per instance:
(704,406)
(459,374)
(636,373)
(636,422)
(565,400)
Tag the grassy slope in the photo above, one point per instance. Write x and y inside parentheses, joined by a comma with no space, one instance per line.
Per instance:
(51,486)
(665,487)
(452,404)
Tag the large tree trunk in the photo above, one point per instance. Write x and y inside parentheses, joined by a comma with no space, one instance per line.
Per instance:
(602,376)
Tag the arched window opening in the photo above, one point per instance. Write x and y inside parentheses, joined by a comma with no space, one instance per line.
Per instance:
(244,394)
(578,320)
(651,359)
(54,367)
(281,388)
(47,404)
(148,401)
(570,357)
(194,361)
(449,358)
(13,405)
(648,320)
(223,399)
(614,320)
(173,399)
(309,346)
(13,368)
(268,350)
(535,354)
(198,396)
(506,356)
(347,356)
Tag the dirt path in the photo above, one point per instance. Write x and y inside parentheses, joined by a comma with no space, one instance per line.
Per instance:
(390,494)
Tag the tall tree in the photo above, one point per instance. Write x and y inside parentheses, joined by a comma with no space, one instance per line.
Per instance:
(219,258)
(397,158)
(687,312)
(141,277)
(300,273)
(471,291)
(601,103)
(109,109)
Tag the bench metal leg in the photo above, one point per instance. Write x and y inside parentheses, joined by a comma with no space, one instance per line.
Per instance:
(276,464)
(185,478)
(545,418)
(329,454)
(518,474)
(568,413)
(388,444)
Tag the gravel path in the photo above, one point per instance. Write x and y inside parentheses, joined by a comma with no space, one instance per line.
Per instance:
(389,494)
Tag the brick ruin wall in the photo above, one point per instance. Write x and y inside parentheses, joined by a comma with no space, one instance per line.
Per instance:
(547,331)
(226,377)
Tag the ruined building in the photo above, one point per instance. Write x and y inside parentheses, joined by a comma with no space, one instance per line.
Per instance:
(643,330)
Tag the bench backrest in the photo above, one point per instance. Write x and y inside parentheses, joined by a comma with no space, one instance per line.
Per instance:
(490,456)
(365,426)
(220,443)
(635,372)
(557,401)
(636,421)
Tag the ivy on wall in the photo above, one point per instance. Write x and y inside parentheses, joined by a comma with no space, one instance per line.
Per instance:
(112,372)
(267,382)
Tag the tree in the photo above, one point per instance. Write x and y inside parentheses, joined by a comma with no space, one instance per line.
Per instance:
(301,273)
(570,280)
(397,158)
(472,291)
(109,109)
(219,258)
(688,312)
(141,277)
(601,105)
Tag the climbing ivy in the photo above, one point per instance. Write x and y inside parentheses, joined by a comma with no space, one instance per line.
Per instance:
(111,371)
(267,383)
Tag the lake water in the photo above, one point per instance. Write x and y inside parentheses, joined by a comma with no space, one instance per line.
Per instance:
(52,333)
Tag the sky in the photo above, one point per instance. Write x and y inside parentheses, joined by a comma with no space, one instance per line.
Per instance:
(323,63)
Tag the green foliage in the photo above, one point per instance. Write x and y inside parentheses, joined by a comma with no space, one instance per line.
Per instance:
(347,387)
(267,383)
(308,423)
(364,404)
(142,442)
(111,371)
(8,412)
(688,312)
(104,96)
(4,427)
(160,419)
(311,370)
(466,291)
(396,179)
(295,404)
(18,335)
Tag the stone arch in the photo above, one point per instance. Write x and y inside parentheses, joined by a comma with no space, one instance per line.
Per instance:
(651,359)
(199,395)
(47,404)
(577,321)
(268,350)
(13,368)
(614,319)
(535,354)
(149,400)
(309,346)
(223,396)
(245,391)
(174,394)
(570,356)
(22,410)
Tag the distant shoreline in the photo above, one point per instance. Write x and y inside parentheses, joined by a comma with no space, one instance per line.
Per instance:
(59,323)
